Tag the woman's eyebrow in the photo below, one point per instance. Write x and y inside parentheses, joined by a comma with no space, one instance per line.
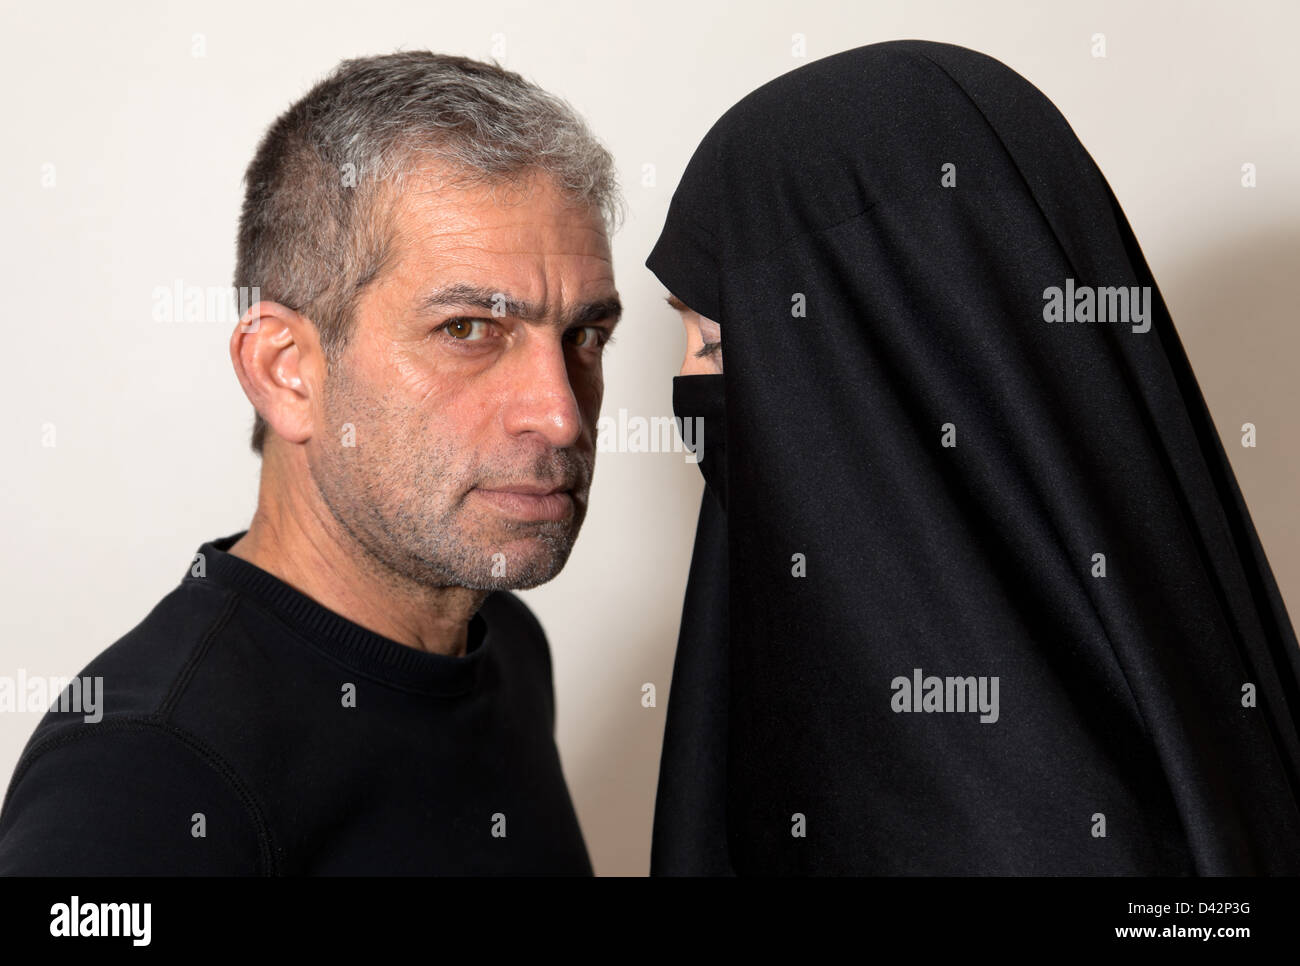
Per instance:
(676,303)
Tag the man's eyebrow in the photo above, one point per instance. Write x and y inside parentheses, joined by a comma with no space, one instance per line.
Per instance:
(676,303)
(476,296)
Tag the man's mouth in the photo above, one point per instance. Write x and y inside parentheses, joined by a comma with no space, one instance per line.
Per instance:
(528,501)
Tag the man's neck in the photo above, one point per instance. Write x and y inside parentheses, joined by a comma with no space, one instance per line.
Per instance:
(313,555)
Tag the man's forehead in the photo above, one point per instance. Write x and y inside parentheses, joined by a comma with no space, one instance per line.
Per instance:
(528,252)
(435,202)
(519,239)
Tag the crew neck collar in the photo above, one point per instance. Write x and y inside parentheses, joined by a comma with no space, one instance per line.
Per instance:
(371,654)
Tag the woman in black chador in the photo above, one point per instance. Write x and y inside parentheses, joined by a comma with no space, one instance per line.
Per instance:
(974,589)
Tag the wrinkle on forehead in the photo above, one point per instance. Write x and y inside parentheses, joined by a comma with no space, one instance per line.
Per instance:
(436,208)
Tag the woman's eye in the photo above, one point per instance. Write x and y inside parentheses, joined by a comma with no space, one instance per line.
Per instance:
(466,330)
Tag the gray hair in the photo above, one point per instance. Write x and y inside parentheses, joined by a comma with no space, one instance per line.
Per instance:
(315,228)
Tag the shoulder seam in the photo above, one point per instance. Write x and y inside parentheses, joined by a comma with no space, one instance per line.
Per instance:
(265,842)
(196,657)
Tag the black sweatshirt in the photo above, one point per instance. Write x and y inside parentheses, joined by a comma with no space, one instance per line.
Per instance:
(247,730)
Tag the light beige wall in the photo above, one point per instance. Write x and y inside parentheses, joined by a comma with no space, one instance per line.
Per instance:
(149,144)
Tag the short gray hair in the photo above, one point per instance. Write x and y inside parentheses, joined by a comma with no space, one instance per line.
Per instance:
(315,228)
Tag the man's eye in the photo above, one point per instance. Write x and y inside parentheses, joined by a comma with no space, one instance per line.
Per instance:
(466,330)
(589,336)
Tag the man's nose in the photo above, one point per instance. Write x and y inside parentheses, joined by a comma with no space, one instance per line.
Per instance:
(540,397)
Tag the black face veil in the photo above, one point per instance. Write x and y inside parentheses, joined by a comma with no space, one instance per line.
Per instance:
(985,597)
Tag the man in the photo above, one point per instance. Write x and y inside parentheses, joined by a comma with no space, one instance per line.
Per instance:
(347,687)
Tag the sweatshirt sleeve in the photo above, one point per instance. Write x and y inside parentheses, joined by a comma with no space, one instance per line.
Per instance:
(125,801)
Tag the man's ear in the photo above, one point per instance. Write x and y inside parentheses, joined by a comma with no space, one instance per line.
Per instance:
(278,361)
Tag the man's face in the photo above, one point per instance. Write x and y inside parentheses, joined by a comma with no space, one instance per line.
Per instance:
(473,380)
